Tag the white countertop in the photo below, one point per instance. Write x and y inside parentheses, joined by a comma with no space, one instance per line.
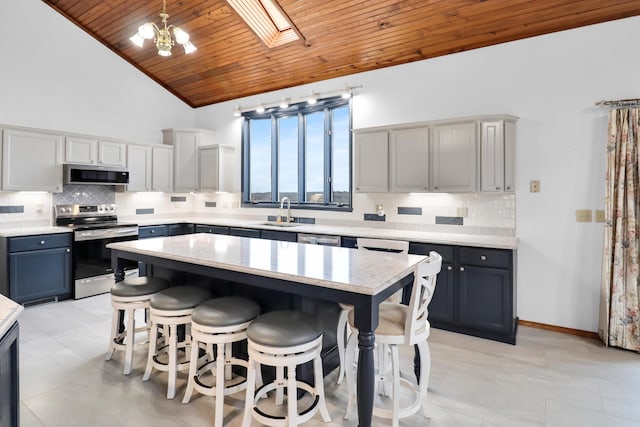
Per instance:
(9,311)
(30,231)
(363,272)
(477,240)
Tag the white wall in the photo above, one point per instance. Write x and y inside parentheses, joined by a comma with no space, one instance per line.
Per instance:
(55,76)
(551,82)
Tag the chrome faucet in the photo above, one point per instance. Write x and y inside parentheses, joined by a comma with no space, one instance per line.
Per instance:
(285,198)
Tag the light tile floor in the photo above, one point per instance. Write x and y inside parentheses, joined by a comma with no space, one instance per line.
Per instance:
(547,379)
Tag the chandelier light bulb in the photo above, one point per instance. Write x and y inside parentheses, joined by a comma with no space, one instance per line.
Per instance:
(181,36)
(137,39)
(189,47)
(146,31)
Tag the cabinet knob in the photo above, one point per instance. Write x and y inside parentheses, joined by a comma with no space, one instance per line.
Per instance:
(482,257)
(497,188)
(42,242)
(461,268)
(508,188)
(358,188)
(435,188)
(449,268)
(68,250)
(153,231)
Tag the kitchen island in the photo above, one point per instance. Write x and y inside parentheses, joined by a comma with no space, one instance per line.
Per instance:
(361,278)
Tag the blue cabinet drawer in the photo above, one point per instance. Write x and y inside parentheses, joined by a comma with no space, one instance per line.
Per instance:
(484,257)
(43,241)
(152,231)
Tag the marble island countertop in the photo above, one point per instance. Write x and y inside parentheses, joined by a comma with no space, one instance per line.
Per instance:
(362,272)
(9,312)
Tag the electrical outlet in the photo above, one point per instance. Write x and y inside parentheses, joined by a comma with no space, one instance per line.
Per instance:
(534,186)
(39,208)
(583,215)
(599,215)
(463,212)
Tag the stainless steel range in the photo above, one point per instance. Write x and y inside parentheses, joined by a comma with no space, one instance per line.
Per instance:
(94,226)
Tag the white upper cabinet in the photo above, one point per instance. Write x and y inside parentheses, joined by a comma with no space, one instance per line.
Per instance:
(162,168)
(91,151)
(409,160)
(139,167)
(216,168)
(31,161)
(454,157)
(186,143)
(372,162)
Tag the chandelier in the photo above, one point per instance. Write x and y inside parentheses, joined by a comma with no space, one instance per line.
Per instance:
(164,37)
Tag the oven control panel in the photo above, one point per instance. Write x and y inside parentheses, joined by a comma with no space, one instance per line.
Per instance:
(73,211)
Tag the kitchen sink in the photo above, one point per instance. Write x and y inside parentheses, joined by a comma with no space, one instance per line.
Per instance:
(281,224)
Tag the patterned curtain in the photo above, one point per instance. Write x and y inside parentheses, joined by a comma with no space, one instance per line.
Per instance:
(619,321)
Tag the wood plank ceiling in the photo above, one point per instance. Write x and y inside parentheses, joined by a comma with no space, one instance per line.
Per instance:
(340,37)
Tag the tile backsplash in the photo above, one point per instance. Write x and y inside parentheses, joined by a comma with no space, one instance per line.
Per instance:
(78,194)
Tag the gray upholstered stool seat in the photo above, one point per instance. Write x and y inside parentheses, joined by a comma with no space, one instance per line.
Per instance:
(220,322)
(284,340)
(127,296)
(225,311)
(168,309)
(179,298)
(284,329)
(137,286)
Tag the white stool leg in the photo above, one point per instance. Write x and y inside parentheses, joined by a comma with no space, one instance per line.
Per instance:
(129,341)
(395,362)
(220,376)
(228,354)
(153,339)
(319,381)
(114,333)
(341,334)
(173,361)
(350,374)
(280,380)
(193,368)
(292,396)
(425,371)
(249,399)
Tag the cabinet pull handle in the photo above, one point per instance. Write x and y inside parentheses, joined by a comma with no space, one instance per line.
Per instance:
(42,242)
(435,188)
(508,188)
(497,188)
(461,268)
(449,268)
(482,257)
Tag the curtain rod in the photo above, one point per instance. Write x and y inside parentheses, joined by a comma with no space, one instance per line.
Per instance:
(618,103)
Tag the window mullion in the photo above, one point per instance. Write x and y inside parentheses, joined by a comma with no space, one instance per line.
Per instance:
(274,159)
(327,156)
(302,156)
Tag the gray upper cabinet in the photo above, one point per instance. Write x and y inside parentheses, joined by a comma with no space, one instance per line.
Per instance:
(31,161)
(186,143)
(454,153)
(139,167)
(409,160)
(215,163)
(372,162)
(161,168)
(497,156)
(92,151)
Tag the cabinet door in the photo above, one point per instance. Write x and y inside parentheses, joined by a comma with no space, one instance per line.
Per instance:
(51,278)
(213,229)
(244,232)
(139,166)
(162,169)
(442,305)
(372,162)
(112,153)
(185,161)
(283,236)
(409,160)
(31,161)
(453,167)
(491,157)
(486,298)
(509,156)
(81,150)
(152,231)
(179,229)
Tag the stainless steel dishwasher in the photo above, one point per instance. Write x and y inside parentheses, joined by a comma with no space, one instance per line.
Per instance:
(319,239)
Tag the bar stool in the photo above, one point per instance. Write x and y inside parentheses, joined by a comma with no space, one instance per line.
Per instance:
(170,308)
(220,321)
(284,339)
(128,296)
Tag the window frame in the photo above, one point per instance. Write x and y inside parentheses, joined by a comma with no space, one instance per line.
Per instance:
(300,111)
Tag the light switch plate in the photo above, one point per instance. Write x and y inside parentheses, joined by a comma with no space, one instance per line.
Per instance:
(583,215)
(599,215)
(534,186)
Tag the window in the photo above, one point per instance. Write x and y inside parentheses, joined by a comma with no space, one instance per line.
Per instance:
(302,152)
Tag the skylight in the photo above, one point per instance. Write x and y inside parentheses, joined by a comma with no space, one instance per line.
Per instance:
(267,20)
